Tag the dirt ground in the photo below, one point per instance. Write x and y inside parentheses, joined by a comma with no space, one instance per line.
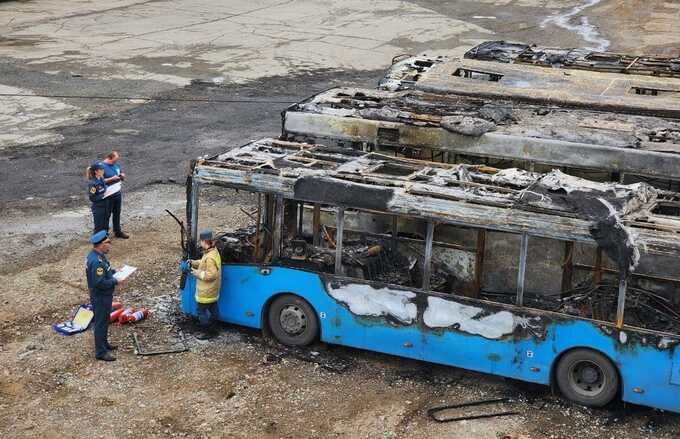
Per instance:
(220,73)
(241,384)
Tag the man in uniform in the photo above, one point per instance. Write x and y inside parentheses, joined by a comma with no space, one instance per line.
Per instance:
(208,273)
(112,175)
(101,283)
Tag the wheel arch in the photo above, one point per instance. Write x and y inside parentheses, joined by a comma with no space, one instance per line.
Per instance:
(264,321)
(553,368)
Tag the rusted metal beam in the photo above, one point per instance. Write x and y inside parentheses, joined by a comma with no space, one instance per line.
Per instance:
(597,276)
(568,266)
(427,261)
(521,271)
(290,215)
(278,226)
(339,225)
(258,226)
(316,225)
(479,262)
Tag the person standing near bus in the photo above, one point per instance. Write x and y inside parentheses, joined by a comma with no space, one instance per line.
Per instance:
(208,273)
(101,284)
(96,189)
(113,175)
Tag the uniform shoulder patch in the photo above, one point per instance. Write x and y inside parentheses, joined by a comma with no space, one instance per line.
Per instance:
(93,190)
(100,271)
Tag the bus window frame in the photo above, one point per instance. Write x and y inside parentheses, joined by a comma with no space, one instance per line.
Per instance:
(277,233)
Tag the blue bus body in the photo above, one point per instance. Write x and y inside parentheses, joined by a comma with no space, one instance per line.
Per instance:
(504,340)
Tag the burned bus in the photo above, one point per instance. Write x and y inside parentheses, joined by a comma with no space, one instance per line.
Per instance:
(576,78)
(541,277)
(598,115)
(597,145)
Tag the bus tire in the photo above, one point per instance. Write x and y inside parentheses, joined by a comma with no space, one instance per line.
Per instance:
(293,321)
(587,378)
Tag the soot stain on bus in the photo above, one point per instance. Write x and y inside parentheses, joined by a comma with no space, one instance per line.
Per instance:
(325,189)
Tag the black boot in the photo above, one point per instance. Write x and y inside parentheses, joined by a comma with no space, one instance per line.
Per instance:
(106,357)
(205,335)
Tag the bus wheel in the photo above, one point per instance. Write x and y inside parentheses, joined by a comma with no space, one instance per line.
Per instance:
(587,378)
(293,321)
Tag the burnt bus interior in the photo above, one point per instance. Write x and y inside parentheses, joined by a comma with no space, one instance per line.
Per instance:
(358,233)
(592,144)
(575,58)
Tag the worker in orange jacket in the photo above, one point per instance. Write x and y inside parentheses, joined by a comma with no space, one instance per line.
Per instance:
(208,274)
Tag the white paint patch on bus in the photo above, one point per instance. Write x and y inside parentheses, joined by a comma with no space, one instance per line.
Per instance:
(442,313)
(365,300)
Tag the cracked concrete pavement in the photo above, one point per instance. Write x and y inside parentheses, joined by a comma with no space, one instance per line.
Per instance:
(238,40)
(169,43)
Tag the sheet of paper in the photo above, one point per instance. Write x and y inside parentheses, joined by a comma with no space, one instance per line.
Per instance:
(124,272)
(113,189)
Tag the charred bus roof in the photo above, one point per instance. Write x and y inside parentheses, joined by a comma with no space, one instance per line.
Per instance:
(576,58)
(568,77)
(482,127)
(623,219)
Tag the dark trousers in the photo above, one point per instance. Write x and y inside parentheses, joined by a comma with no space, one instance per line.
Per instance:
(115,203)
(102,312)
(100,215)
(206,312)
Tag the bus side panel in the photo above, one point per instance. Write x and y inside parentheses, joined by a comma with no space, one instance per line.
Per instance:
(245,289)
(647,375)
(526,352)
(644,364)
(526,349)
(394,321)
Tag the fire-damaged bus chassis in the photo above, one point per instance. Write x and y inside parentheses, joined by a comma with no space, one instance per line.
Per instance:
(382,238)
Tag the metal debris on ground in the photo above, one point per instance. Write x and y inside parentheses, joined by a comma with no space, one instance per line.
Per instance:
(329,362)
(434,411)
(180,346)
(426,374)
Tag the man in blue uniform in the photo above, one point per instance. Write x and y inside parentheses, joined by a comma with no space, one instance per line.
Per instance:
(96,190)
(114,175)
(101,283)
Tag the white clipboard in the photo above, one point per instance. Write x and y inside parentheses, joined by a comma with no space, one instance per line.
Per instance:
(113,189)
(124,272)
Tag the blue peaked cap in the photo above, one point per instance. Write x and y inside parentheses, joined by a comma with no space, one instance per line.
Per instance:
(98,237)
(96,165)
(206,235)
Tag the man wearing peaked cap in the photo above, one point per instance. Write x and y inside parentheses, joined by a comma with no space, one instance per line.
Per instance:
(96,191)
(101,283)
